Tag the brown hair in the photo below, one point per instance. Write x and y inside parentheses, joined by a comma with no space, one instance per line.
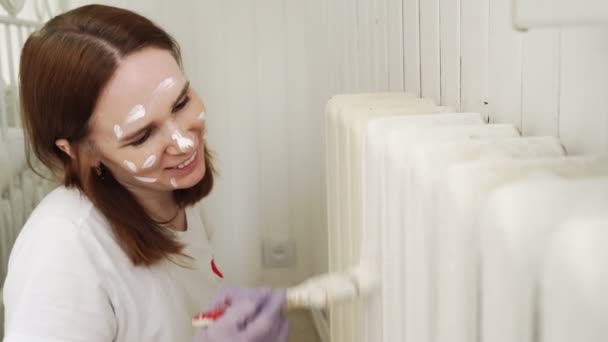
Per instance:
(64,67)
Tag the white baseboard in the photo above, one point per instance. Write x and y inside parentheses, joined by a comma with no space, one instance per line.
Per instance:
(321,324)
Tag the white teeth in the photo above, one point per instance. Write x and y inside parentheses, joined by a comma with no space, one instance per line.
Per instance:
(187,162)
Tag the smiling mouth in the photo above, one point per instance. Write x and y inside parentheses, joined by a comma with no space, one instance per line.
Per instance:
(186,163)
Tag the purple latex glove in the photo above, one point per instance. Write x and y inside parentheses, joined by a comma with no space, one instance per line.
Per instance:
(255,315)
(232,293)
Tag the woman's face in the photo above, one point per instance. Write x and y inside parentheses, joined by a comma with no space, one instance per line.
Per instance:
(148,124)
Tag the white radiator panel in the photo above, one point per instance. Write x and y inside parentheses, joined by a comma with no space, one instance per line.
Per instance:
(374,234)
(20,189)
(347,117)
(464,191)
(416,210)
(574,279)
(12,155)
(429,164)
(519,220)
(400,240)
(408,188)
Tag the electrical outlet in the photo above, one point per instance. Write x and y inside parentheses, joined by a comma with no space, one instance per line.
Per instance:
(279,253)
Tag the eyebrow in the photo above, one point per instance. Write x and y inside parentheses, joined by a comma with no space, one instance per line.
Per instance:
(182,94)
(127,139)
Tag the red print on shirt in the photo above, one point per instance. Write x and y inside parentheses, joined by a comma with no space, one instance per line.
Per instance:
(215,269)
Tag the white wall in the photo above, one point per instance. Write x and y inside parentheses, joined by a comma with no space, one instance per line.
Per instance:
(465,53)
(267,67)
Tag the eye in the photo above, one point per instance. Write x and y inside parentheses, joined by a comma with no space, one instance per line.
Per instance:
(181,104)
(142,139)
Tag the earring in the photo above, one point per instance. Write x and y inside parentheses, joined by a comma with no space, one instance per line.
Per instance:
(98,171)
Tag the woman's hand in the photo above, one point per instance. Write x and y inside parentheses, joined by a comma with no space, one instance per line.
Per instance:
(254,315)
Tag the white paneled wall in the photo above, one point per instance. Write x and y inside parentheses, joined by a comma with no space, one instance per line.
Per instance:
(527,79)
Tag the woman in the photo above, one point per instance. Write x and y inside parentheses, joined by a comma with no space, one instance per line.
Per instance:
(117,253)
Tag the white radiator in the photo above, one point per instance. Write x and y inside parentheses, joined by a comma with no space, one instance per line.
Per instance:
(573,282)
(20,188)
(447,218)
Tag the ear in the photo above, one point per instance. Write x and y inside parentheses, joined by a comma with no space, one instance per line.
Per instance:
(65,146)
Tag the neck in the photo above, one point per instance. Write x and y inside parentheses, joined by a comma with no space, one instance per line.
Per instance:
(162,207)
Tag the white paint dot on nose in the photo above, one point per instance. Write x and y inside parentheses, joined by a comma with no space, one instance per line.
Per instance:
(118,131)
(149,162)
(136,113)
(146,179)
(202,116)
(130,165)
(184,143)
(174,183)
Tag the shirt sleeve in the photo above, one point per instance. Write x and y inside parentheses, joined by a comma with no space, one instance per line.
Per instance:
(54,290)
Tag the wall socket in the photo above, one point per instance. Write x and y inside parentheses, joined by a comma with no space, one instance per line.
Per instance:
(279,253)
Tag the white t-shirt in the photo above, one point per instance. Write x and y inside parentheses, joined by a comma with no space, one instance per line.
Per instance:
(68,280)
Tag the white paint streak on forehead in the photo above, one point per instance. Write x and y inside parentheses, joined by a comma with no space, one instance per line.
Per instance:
(136,113)
(184,143)
(174,183)
(130,165)
(202,116)
(118,131)
(146,179)
(165,84)
(149,162)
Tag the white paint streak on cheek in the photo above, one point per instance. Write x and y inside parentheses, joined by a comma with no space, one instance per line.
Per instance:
(202,116)
(149,162)
(136,113)
(146,179)
(130,165)
(174,183)
(118,131)
(183,142)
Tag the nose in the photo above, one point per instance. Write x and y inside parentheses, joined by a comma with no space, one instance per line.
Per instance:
(179,141)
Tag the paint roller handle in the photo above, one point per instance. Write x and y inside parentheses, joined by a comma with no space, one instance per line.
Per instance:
(320,291)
